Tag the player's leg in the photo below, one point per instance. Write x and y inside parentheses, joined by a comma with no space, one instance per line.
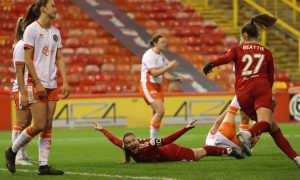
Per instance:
(39,114)
(227,115)
(263,108)
(23,120)
(217,151)
(244,124)
(159,111)
(283,143)
(45,139)
(153,96)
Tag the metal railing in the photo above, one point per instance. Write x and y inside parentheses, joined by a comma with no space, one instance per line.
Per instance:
(271,8)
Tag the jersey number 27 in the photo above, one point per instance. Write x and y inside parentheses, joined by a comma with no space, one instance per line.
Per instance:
(249,60)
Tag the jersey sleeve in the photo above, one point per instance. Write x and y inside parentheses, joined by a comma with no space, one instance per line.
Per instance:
(59,40)
(18,57)
(116,141)
(149,61)
(226,58)
(29,37)
(172,137)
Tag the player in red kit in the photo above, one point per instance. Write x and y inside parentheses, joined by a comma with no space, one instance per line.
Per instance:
(162,149)
(254,70)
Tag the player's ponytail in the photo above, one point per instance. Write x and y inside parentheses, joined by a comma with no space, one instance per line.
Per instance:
(262,21)
(33,12)
(155,39)
(19,30)
(30,17)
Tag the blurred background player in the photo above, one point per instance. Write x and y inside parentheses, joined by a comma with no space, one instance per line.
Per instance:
(42,42)
(254,67)
(23,114)
(154,69)
(162,149)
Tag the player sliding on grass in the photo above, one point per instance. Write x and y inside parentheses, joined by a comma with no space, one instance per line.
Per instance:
(163,149)
(223,131)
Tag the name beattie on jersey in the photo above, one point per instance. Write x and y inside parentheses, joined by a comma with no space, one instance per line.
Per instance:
(255,47)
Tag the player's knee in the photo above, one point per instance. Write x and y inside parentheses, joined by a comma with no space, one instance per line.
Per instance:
(37,128)
(160,112)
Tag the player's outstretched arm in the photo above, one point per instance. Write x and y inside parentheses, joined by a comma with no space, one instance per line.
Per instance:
(116,141)
(171,138)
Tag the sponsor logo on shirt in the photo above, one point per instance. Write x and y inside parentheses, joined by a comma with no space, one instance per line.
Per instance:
(47,51)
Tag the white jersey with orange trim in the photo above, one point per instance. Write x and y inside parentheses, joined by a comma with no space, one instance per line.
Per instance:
(219,139)
(152,60)
(45,43)
(18,58)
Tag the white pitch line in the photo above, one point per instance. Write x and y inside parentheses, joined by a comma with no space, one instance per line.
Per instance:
(101,175)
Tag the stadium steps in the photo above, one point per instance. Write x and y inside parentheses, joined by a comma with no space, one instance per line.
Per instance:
(222,15)
(284,49)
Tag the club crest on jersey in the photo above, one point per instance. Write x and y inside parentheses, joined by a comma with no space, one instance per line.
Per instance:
(55,38)
(41,36)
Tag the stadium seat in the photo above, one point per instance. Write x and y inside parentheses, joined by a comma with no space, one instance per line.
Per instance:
(75,69)
(109,68)
(99,88)
(5,89)
(87,80)
(91,69)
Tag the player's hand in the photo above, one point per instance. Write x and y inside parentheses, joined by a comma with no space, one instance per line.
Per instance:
(191,124)
(24,101)
(41,91)
(207,68)
(98,127)
(173,63)
(179,79)
(65,90)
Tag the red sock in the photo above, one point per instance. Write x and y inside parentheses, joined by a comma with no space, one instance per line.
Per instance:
(259,128)
(283,144)
(215,150)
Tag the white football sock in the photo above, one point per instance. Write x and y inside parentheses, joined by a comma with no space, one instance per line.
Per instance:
(153,133)
(14,136)
(44,150)
(23,139)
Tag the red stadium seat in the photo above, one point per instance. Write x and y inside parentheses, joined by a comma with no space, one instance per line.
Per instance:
(75,69)
(109,68)
(5,89)
(91,69)
(74,79)
(94,59)
(99,88)
(88,80)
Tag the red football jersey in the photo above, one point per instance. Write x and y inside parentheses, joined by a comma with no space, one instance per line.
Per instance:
(156,150)
(254,71)
(152,150)
(253,63)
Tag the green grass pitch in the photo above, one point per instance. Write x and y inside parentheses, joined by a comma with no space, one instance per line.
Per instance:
(84,153)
